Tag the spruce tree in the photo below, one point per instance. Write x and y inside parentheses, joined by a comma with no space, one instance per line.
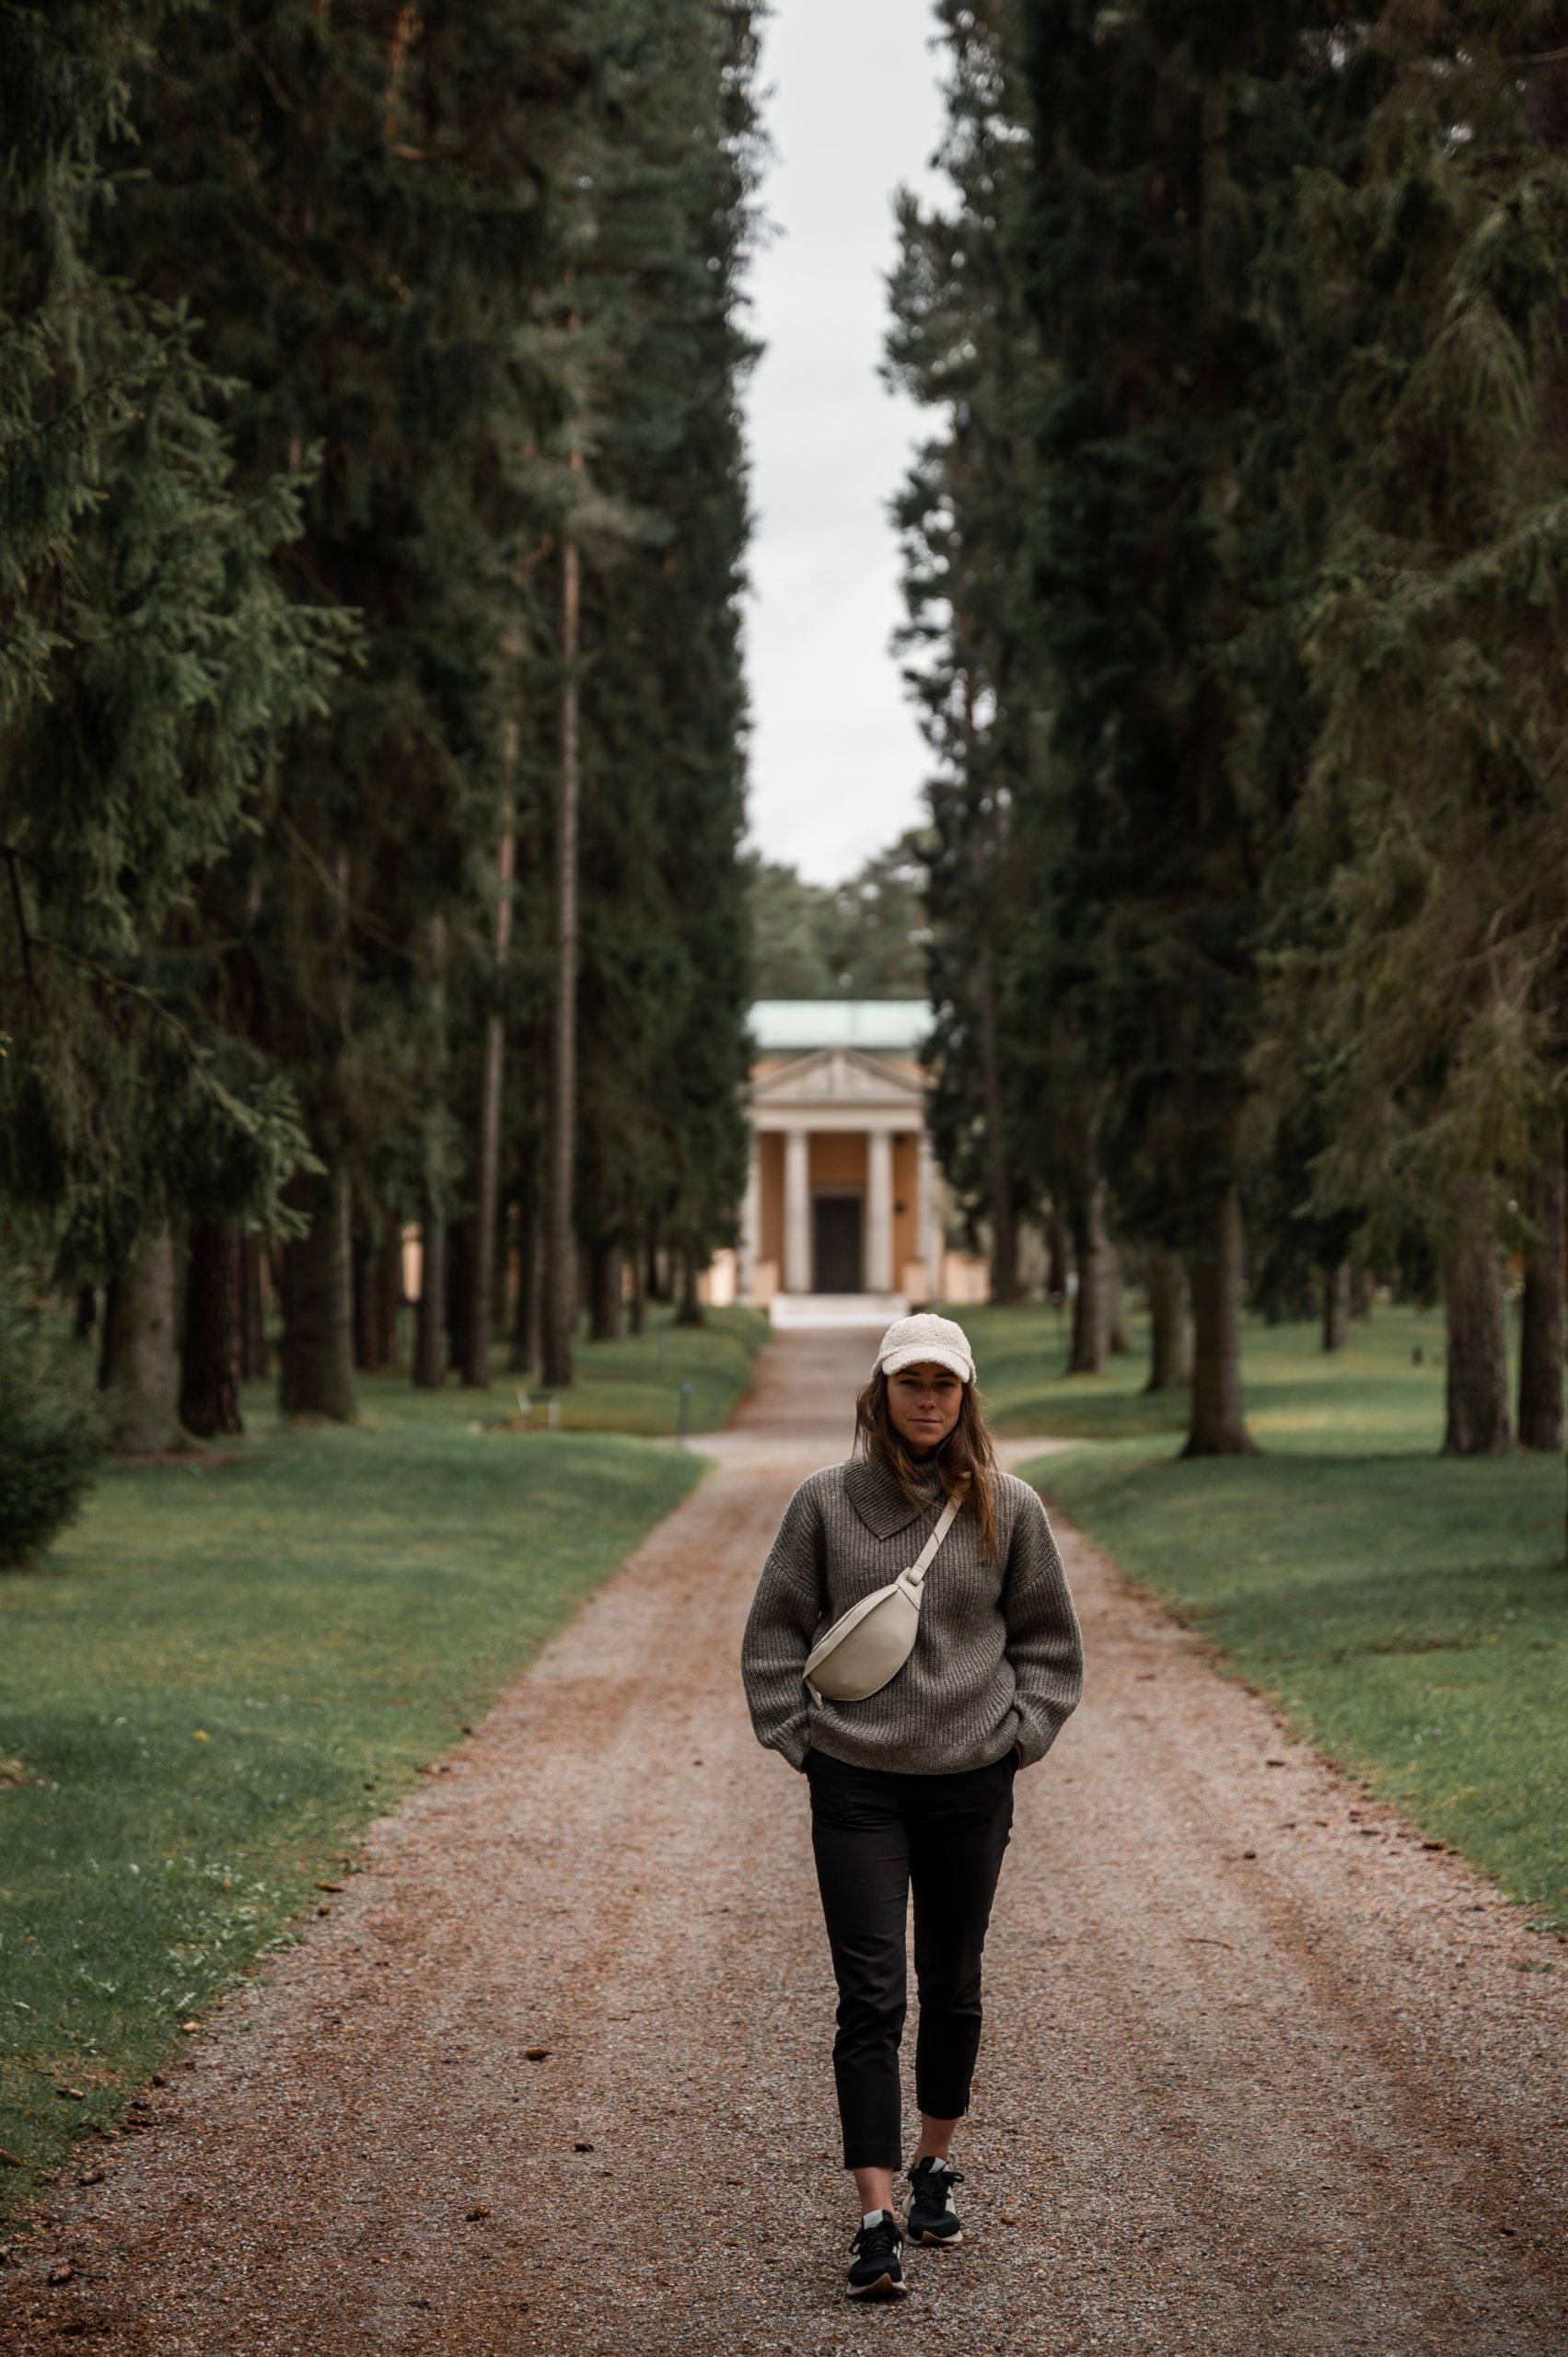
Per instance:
(1420,971)
(1165,145)
(961,345)
(153,654)
(375,230)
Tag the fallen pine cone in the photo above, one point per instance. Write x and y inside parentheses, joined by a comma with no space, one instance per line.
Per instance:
(61,2274)
(478,2210)
(536,2053)
(328,1885)
(582,2146)
(1009,2217)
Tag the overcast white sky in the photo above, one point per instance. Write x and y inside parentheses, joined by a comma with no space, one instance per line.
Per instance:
(853,109)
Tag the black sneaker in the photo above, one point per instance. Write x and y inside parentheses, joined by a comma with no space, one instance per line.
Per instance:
(877,2270)
(932,2217)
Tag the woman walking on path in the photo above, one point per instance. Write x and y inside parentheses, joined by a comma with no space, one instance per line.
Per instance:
(912,1785)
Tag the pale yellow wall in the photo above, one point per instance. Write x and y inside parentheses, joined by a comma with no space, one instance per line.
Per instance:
(906,1198)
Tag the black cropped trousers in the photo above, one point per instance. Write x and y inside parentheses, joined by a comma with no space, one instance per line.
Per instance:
(877,1836)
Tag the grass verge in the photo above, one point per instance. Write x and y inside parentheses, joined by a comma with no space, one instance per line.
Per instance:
(222,1672)
(633,1386)
(1383,1392)
(1409,1611)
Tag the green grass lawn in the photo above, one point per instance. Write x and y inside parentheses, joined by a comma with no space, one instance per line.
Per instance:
(1373,1397)
(635,1386)
(220,1675)
(1409,1611)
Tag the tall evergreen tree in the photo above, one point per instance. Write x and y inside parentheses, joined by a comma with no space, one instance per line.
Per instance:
(664,968)
(373,210)
(961,345)
(1166,141)
(1420,983)
(152,653)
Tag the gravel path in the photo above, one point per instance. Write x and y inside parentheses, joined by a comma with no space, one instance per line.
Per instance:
(1260,2074)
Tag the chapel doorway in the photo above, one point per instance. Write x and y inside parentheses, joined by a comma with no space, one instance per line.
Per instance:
(837,1244)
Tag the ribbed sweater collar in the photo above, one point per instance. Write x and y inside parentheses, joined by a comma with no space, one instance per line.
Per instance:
(873,1489)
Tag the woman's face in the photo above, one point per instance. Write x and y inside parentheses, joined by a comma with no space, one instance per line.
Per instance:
(922,1404)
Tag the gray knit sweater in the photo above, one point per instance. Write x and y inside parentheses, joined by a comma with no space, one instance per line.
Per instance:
(997,1660)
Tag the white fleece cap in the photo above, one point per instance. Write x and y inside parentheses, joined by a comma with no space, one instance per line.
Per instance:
(910,1342)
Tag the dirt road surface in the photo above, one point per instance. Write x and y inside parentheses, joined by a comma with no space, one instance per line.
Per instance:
(1261,2076)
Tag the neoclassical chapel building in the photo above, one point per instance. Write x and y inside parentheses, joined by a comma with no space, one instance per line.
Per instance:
(845,1213)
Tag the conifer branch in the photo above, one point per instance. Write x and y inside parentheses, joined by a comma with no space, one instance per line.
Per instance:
(137,991)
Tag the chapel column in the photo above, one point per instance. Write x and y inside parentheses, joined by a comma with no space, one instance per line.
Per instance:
(879,1212)
(797,1211)
(928,1228)
(750,1224)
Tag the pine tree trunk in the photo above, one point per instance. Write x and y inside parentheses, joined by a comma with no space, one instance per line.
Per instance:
(1477,1351)
(359,1280)
(316,1362)
(1118,1340)
(1360,1292)
(1170,1322)
(141,1365)
(430,1331)
(1087,1355)
(389,1286)
(561,1255)
(252,1302)
(501,1272)
(1057,1248)
(481,1264)
(1336,1305)
(377,1297)
(85,1317)
(637,1311)
(460,1293)
(112,1291)
(689,1312)
(1540,1323)
(1004,1223)
(524,1356)
(1217,1427)
(212,1360)
(605,1292)
(480,1259)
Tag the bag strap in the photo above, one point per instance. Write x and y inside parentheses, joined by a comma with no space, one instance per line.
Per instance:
(927,1554)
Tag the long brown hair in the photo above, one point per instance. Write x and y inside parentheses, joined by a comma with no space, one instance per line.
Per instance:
(966,1462)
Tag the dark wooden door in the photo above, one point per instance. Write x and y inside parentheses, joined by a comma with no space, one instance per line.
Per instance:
(837,1220)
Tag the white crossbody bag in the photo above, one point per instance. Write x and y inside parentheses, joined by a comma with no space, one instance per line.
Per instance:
(870,1642)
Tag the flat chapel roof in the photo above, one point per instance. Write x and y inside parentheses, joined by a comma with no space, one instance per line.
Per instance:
(878,1026)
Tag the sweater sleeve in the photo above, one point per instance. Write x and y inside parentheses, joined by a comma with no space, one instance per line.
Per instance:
(1044,1643)
(785,1613)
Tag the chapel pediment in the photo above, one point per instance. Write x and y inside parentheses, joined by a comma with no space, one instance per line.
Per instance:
(840,1076)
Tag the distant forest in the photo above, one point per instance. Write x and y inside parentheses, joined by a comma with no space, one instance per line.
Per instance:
(865,939)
